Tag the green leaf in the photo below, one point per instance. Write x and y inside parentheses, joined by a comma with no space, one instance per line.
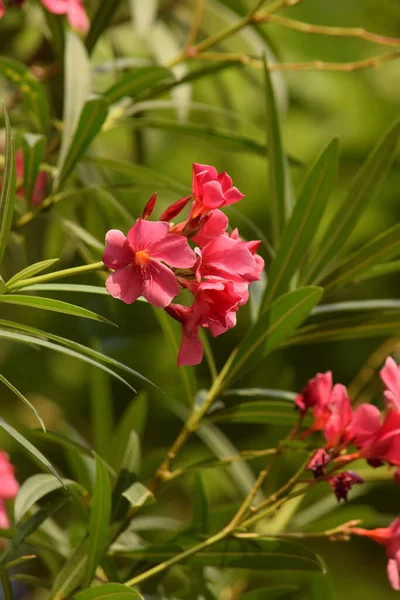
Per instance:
(32,91)
(100,21)
(139,175)
(109,591)
(28,446)
(322,587)
(71,574)
(84,355)
(275,592)
(52,305)
(91,120)
(24,400)
(277,161)
(34,147)
(7,197)
(381,249)
(77,90)
(221,138)
(130,467)
(36,487)
(99,520)
(134,417)
(139,80)
(143,15)
(138,495)
(273,327)
(32,270)
(79,349)
(265,554)
(263,392)
(200,506)
(66,287)
(365,187)
(28,527)
(102,411)
(303,224)
(261,412)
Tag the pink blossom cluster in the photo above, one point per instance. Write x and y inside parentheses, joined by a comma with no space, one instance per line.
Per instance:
(156,261)
(351,434)
(72,9)
(8,488)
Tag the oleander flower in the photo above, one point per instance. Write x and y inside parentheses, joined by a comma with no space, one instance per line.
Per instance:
(72,9)
(9,487)
(212,189)
(390,375)
(138,262)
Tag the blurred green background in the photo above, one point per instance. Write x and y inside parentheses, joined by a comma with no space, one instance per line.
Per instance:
(315,106)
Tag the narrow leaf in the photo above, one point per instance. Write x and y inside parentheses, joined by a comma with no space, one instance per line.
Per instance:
(52,305)
(143,15)
(138,495)
(261,412)
(32,270)
(7,197)
(28,446)
(24,400)
(274,326)
(200,506)
(34,147)
(33,489)
(109,591)
(99,520)
(100,21)
(365,187)
(303,224)
(137,81)
(71,574)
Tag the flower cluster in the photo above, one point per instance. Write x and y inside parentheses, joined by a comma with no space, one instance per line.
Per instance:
(156,261)
(8,488)
(73,9)
(351,434)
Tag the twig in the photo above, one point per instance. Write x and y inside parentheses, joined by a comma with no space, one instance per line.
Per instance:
(198,15)
(353,32)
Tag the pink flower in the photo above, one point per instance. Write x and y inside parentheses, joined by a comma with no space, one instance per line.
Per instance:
(136,262)
(364,425)
(390,375)
(318,463)
(191,348)
(73,9)
(390,538)
(214,226)
(175,209)
(226,258)
(317,395)
(212,189)
(2,8)
(341,415)
(8,488)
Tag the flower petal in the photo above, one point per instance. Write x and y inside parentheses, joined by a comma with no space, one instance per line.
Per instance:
(215,226)
(174,250)
(191,350)
(393,574)
(144,233)
(57,7)
(118,253)
(125,284)
(77,16)
(160,285)
(4,520)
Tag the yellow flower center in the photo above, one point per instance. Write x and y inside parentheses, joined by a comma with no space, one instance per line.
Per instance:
(142,258)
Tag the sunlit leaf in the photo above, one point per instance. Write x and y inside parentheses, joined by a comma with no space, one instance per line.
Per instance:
(137,81)
(24,400)
(138,495)
(100,21)
(143,15)
(7,197)
(36,487)
(262,412)
(31,270)
(109,591)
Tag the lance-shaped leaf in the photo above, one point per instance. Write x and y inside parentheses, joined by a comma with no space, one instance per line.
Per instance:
(272,328)
(99,520)
(32,270)
(200,521)
(53,305)
(275,592)
(32,91)
(36,487)
(379,250)
(7,197)
(143,15)
(28,446)
(100,21)
(298,234)
(24,400)
(365,187)
(28,527)
(71,574)
(34,147)
(261,412)
(136,82)
(138,495)
(109,591)
(278,177)
(93,115)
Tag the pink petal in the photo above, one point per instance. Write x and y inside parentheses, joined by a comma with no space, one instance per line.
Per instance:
(160,285)
(39,191)
(215,226)
(233,195)
(77,16)
(225,181)
(393,574)
(144,233)
(191,350)
(2,8)
(365,423)
(4,520)
(118,253)
(201,174)
(226,257)
(213,196)
(390,376)
(57,7)
(174,250)
(125,284)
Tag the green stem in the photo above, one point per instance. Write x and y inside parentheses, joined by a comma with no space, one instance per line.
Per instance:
(7,589)
(99,266)
(179,558)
